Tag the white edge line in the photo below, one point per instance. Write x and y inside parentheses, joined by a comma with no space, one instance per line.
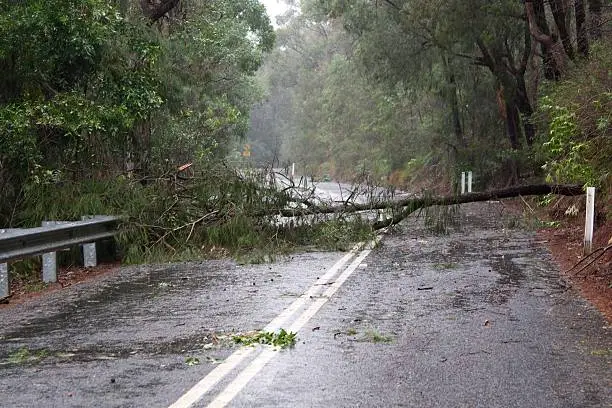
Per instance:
(212,378)
(278,321)
(203,386)
(246,375)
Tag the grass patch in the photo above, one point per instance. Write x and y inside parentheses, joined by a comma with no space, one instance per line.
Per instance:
(24,355)
(374,336)
(447,265)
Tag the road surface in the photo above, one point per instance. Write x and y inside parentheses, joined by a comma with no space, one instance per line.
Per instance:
(475,318)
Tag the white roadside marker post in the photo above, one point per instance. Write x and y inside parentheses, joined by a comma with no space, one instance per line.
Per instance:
(292,171)
(590,218)
(462,182)
(469,181)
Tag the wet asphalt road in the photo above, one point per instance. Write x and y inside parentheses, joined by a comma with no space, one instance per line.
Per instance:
(476,318)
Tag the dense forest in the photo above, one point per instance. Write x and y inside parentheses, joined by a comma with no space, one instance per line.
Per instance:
(101,102)
(409,90)
(152,109)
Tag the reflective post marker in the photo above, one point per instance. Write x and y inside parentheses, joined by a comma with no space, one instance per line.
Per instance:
(590,218)
(462,182)
(469,181)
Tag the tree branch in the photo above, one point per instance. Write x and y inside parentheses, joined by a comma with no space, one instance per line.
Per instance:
(156,11)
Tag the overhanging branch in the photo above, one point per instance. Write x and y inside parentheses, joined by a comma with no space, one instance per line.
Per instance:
(155,11)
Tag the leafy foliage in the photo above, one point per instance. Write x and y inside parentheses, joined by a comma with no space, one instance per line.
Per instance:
(98,107)
(575,113)
(281,339)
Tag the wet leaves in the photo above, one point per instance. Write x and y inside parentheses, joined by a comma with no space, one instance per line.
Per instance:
(192,361)
(281,339)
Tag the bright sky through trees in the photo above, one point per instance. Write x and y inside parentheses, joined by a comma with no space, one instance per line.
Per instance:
(275,8)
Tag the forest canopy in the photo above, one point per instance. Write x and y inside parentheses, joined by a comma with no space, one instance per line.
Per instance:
(400,88)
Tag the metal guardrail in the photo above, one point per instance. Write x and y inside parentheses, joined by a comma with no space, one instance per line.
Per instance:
(22,243)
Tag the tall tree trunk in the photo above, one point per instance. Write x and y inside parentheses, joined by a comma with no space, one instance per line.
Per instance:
(513,125)
(154,10)
(560,15)
(595,7)
(556,49)
(456,118)
(581,28)
(452,99)
(550,70)
(523,105)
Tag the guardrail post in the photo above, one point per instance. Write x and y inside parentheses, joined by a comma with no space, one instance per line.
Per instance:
(90,258)
(49,260)
(5,287)
(4,281)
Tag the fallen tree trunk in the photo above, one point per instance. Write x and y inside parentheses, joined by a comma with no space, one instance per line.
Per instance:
(409,205)
(535,189)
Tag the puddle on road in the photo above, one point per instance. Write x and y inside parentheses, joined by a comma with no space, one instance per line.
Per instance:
(511,273)
(197,343)
(128,294)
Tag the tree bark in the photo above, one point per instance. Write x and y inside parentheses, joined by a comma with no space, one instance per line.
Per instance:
(453,101)
(595,7)
(538,189)
(155,11)
(456,118)
(524,106)
(512,125)
(560,15)
(558,55)
(581,28)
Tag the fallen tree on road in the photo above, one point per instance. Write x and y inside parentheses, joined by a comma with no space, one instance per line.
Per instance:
(403,208)
(409,206)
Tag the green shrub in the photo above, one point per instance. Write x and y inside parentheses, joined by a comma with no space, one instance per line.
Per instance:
(576,114)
